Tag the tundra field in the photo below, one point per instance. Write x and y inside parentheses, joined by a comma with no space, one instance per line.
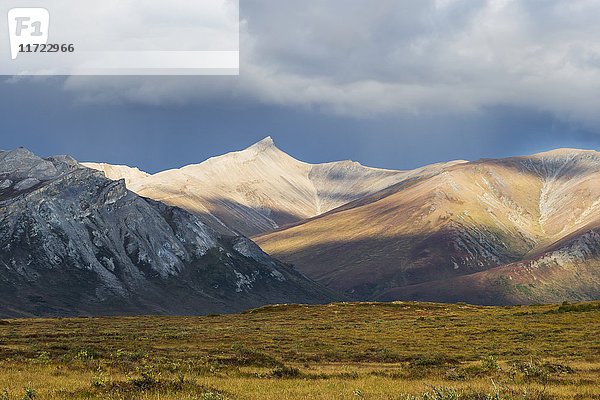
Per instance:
(403,351)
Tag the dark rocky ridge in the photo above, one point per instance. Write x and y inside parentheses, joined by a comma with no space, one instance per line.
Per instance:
(73,242)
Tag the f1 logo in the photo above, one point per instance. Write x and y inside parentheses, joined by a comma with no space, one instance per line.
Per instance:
(27,26)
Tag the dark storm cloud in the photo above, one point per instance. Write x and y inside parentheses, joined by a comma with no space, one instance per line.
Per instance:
(392,84)
(418,57)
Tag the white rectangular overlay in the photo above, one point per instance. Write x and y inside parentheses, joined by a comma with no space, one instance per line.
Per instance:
(119,37)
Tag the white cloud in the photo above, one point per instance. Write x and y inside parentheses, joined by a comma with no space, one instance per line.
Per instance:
(364,58)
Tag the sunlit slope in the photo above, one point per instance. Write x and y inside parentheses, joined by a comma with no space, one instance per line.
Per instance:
(262,188)
(470,218)
(116,172)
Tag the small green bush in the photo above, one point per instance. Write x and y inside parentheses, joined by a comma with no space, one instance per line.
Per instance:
(99,379)
(441,393)
(285,372)
(148,377)
(29,394)
(490,364)
(529,371)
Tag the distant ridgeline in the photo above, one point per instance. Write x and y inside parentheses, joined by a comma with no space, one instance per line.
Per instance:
(505,231)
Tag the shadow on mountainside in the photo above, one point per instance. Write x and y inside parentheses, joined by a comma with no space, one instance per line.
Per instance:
(230,217)
(368,267)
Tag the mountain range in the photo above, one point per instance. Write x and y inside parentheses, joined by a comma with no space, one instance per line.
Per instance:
(492,231)
(259,189)
(73,242)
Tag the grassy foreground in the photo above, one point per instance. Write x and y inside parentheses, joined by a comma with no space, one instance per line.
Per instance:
(356,351)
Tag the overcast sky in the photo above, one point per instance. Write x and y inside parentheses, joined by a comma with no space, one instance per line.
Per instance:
(394,84)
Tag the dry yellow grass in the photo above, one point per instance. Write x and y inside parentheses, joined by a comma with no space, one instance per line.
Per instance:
(340,351)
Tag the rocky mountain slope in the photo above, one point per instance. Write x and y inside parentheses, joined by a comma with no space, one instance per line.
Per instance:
(74,242)
(512,230)
(260,188)
(569,272)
